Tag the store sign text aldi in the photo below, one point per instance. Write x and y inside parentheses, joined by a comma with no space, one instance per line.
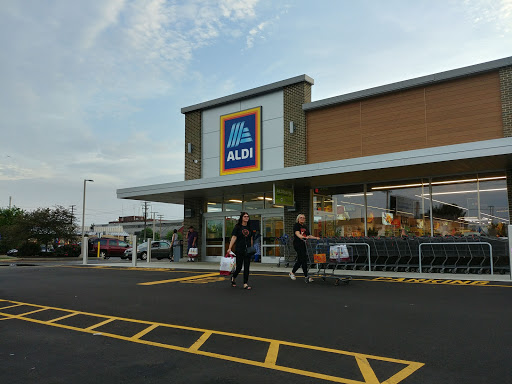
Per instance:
(240,142)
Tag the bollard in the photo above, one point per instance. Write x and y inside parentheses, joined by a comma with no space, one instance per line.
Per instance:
(85,249)
(98,255)
(150,243)
(134,250)
(510,249)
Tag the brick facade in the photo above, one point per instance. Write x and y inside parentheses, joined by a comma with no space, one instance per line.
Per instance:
(506,114)
(193,136)
(295,143)
(193,171)
(302,201)
(196,205)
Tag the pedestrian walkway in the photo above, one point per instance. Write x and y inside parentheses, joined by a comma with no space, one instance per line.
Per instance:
(261,267)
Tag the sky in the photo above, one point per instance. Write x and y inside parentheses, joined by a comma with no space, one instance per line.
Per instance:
(93,89)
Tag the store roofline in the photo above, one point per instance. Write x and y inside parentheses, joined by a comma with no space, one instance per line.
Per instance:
(492,155)
(249,93)
(412,83)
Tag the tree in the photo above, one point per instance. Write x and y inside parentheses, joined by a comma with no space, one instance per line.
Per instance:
(8,219)
(45,225)
(147,234)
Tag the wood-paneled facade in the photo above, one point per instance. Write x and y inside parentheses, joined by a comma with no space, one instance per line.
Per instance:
(453,112)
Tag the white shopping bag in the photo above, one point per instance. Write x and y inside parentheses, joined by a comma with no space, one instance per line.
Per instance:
(334,252)
(339,253)
(227,264)
(344,253)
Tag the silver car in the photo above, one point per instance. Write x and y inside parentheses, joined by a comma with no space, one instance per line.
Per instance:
(159,250)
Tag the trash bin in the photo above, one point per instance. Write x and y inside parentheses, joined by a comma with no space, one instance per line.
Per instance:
(177,250)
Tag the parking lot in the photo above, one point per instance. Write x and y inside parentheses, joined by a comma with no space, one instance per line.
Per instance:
(98,323)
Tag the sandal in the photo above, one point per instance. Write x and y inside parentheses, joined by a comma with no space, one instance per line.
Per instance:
(247,287)
(233,284)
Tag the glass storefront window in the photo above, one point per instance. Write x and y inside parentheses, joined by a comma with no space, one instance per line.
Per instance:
(214,237)
(349,214)
(494,214)
(399,209)
(273,228)
(229,223)
(323,216)
(254,201)
(338,212)
(233,203)
(469,205)
(214,205)
(455,206)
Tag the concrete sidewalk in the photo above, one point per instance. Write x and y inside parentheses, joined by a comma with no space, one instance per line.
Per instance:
(257,267)
(273,268)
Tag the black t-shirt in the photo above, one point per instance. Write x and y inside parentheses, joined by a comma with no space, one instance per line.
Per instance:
(243,236)
(302,230)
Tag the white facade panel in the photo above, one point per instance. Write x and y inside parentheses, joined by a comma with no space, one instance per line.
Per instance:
(210,167)
(211,145)
(273,158)
(272,105)
(272,134)
(272,142)
(211,117)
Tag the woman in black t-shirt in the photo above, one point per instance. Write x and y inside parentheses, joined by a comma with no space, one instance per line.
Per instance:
(241,238)
(300,234)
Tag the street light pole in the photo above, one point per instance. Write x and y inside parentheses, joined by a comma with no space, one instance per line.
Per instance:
(84,248)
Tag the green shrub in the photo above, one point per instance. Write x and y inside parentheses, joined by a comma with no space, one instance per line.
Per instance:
(68,250)
(29,249)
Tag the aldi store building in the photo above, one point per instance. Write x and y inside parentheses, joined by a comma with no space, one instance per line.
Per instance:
(427,158)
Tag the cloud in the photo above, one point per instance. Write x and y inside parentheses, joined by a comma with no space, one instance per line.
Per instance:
(497,12)
(256,32)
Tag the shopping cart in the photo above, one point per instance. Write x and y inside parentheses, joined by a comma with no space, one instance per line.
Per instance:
(287,253)
(326,255)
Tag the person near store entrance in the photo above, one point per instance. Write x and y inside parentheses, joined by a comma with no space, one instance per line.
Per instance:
(242,239)
(300,235)
(191,241)
(174,242)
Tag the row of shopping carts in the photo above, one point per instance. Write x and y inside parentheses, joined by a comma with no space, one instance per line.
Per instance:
(442,254)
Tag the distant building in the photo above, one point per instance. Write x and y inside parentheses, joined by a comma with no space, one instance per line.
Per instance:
(133,225)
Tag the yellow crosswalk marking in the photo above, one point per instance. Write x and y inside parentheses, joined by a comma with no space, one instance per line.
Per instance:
(180,279)
(361,360)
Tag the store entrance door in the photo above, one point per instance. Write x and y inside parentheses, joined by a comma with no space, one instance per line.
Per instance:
(272,229)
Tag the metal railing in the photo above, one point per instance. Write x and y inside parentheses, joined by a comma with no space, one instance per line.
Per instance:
(458,243)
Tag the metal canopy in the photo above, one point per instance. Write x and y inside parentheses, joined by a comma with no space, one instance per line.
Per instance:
(483,156)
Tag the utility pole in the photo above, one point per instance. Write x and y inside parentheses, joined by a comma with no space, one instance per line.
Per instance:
(160,217)
(153,218)
(146,207)
(72,213)
(10,199)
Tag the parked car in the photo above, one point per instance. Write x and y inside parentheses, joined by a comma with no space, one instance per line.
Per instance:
(46,251)
(159,250)
(108,247)
(68,250)
(12,252)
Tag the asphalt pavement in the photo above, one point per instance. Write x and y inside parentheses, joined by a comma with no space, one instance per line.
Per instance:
(162,322)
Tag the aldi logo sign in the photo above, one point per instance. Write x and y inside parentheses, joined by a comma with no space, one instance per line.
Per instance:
(240,142)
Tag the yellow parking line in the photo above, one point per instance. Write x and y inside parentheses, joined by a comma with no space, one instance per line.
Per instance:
(180,279)
(362,360)
(195,347)
(143,332)
(11,306)
(366,370)
(31,312)
(273,351)
(100,324)
(62,317)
